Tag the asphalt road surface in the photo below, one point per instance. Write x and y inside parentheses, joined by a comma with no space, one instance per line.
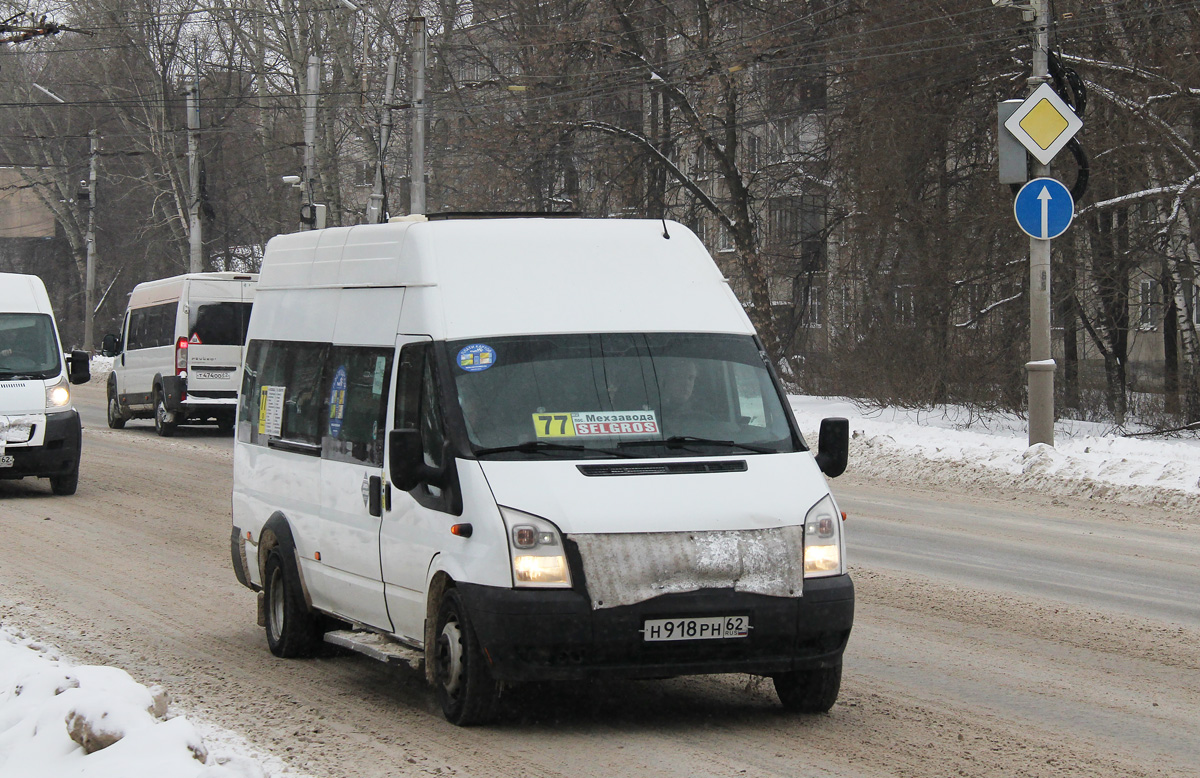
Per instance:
(995,635)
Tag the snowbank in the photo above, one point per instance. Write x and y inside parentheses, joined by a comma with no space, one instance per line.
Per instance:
(59,719)
(954,447)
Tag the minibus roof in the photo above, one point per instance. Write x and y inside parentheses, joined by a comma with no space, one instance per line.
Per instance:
(21,293)
(520,275)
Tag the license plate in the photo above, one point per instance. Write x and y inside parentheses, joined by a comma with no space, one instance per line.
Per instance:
(211,375)
(7,461)
(704,628)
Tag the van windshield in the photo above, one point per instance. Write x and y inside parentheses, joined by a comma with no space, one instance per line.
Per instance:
(28,348)
(623,394)
(218,323)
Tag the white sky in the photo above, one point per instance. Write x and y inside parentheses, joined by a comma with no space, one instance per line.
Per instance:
(39,687)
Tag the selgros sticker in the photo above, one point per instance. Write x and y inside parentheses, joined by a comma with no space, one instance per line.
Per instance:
(583,424)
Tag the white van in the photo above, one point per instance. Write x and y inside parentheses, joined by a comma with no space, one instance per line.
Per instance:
(531,449)
(179,352)
(39,427)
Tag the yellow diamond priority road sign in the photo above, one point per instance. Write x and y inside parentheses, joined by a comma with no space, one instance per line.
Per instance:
(1044,124)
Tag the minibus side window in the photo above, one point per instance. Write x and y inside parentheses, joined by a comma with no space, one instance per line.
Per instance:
(303,403)
(137,321)
(417,400)
(247,430)
(295,369)
(432,436)
(418,407)
(356,381)
(166,324)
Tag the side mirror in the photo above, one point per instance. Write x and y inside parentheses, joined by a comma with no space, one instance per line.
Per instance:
(109,347)
(833,446)
(79,368)
(406,459)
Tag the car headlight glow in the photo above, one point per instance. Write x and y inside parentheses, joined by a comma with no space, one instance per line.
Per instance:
(58,395)
(823,540)
(538,557)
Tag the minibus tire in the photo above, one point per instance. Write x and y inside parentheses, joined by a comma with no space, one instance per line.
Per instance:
(116,419)
(292,630)
(809,691)
(464,685)
(164,428)
(64,485)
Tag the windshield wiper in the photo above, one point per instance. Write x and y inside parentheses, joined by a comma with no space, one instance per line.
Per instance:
(18,376)
(681,441)
(542,447)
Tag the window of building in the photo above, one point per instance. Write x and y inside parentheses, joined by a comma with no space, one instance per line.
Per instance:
(814,303)
(797,228)
(1149,301)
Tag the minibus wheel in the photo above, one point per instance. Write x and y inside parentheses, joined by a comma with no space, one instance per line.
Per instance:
(116,419)
(809,691)
(465,688)
(292,630)
(164,420)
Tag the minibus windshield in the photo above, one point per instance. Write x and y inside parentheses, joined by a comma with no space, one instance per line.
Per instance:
(621,394)
(28,348)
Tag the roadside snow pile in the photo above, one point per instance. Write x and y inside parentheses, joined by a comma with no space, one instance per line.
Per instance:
(100,366)
(57,719)
(951,446)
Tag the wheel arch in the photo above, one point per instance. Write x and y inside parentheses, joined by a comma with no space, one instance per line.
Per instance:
(277,533)
(439,583)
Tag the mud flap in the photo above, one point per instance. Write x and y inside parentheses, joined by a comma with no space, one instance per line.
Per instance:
(174,389)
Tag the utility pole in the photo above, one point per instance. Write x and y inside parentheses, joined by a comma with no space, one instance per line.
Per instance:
(417,182)
(89,293)
(196,239)
(312,87)
(375,211)
(1040,367)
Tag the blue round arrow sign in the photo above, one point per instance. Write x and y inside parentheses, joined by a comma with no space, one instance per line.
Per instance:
(1044,208)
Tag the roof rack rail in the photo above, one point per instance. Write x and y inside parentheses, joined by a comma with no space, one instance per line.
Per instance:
(500,215)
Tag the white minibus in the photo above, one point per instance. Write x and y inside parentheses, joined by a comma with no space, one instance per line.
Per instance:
(531,449)
(179,353)
(40,433)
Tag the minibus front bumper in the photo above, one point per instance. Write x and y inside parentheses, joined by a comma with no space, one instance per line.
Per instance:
(57,455)
(532,635)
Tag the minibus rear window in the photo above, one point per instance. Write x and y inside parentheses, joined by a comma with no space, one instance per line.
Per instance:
(218,323)
(619,394)
(28,348)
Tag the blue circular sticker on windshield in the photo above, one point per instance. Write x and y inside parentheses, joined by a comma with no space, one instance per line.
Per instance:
(476,357)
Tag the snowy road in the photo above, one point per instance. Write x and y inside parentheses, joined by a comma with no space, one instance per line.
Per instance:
(994,637)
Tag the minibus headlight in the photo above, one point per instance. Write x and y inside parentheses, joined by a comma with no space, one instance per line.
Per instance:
(823,540)
(536,550)
(58,395)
